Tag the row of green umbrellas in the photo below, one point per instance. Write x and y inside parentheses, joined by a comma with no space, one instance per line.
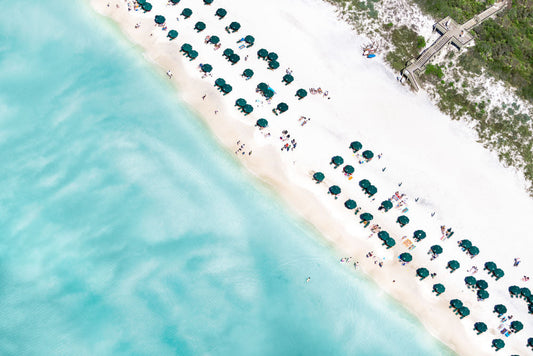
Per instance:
(243,106)
(525,293)
(493,270)
(367,187)
(387,240)
(272,57)
(224,87)
(146,6)
(188,51)
(469,248)
(231,56)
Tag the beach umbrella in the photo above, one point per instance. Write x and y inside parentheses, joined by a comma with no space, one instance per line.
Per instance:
(214,39)
(207,68)
(159,19)
(147,7)
(262,86)
(500,309)
(356,146)
(234,58)
(227,89)
(498,273)
(268,93)
(386,205)
(318,176)
(140,2)
(186,47)
(272,56)
(348,169)
(482,294)
(470,281)
(406,257)
(456,304)
(438,288)
(175,1)
(423,273)
(350,204)
(530,308)
(193,54)
(482,284)
(490,266)
(219,82)
(337,161)
(262,53)
(516,326)
(366,217)
(436,249)
(172,34)
(287,78)
(364,183)
(221,13)
(240,102)
(383,235)
(208,2)
(273,64)
(199,26)
(402,220)
(390,242)
(335,190)
(525,292)
(498,344)
(473,250)
(530,342)
(453,265)
(514,291)
(249,40)
(247,109)
(282,107)
(368,154)
(301,93)
(234,26)
(530,299)
(418,234)
(263,123)
(227,52)
(248,73)
(465,244)
(480,327)
(186,13)
(463,311)
(371,190)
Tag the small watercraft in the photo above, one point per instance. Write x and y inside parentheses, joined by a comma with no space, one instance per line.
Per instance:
(371,55)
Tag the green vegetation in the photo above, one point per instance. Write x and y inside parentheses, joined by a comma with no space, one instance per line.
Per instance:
(405,41)
(420,42)
(434,70)
(459,10)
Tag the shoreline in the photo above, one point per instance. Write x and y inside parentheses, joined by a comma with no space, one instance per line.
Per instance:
(295,188)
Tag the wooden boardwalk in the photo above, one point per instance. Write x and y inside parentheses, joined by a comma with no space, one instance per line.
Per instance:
(453,33)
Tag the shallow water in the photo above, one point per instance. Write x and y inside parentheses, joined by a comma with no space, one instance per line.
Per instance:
(125,229)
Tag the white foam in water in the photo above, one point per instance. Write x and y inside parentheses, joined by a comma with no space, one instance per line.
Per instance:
(126,230)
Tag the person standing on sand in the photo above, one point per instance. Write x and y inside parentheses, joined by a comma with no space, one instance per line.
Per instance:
(203,97)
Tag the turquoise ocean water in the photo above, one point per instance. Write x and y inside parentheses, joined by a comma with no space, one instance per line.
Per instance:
(125,229)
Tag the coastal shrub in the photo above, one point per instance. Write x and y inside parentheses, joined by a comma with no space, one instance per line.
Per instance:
(404,40)
(420,42)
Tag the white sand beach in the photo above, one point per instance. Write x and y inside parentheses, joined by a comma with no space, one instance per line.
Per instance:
(447,177)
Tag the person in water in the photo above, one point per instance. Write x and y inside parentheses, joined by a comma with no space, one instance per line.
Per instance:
(308,279)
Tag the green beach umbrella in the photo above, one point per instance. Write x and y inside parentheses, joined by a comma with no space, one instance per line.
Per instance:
(453,265)
(418,234)
(263,123)
(186,47)
(350,204)
(199,26)
(219,82)
(147,7)
(262,53)
(172,34)
(227,88)
(390,242)
(318,176)
(463,311)
(268,93)
(530,308)
(500,309)
(456,304)
(371,190)
(482,294)
(368,154)
(221,13)
(514,291)
(227,52)
(530,342)
(423,273)
(473,250)
(465,244)
(282,107)
(141,2)
(386,205)
(406,257)
(498,273)
(273,65)
(482,284)
(470,281)
(287,78)
(186,13)
(498,344)
(366,217)
(175,1)
(234,26)
(301,93)
(193,54)
(272,56)
(335,190)
(159,19)
(249,40)
(436,249)
(480,327)
(207,68)
(262,86)
(525,292)
(240,102)
(490,266)
(337,160)
(383,235)
(248,73)
(364,183)
(438,288)
(402,220)
(247,109)
(214,39)
(356,146)
(208,2)
(234,58)
(348,169)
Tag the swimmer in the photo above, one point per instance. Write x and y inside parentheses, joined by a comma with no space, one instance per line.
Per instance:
(308,279)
